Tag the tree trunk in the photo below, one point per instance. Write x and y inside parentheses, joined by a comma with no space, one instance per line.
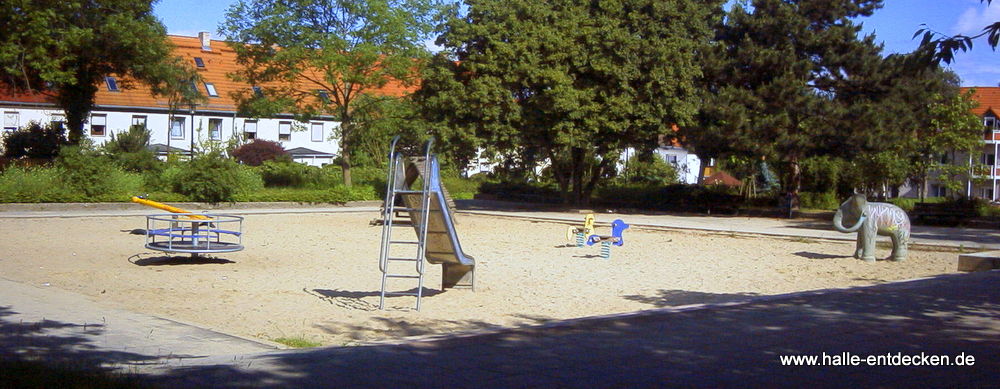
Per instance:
(346,132)
(77,101)
(577,166)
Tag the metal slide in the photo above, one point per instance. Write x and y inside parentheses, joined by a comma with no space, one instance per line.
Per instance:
(432,220)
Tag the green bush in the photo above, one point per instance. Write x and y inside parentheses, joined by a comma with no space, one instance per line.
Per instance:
(287,173)
(86,171)
(34,141)
(130,150)
(29,185)
(208,177)
(822,200)
(649,168)
(335,195)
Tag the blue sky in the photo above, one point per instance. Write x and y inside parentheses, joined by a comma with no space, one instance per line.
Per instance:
(893,25)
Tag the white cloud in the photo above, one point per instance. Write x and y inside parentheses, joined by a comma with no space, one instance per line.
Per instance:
(973,20)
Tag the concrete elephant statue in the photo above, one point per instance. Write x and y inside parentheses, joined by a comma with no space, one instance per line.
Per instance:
(871,219)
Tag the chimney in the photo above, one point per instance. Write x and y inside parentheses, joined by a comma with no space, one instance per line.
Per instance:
(206,41)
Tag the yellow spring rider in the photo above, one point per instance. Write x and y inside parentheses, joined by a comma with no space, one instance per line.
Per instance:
(580,234)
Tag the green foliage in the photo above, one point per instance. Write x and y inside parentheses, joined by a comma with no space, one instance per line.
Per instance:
(822,174)
(258,151)
(781,79)
(34,141)
(677,197)
(907,203)
(209,177)
(287,173)
(354,47)
(69,46)
(952,128)
(86,171)
(819,200)
(130,150)
(649,168)
(573,81)
(29,185)
(298,342)
(335,195)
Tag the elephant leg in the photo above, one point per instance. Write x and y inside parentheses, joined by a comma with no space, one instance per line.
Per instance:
(858,245)
(867,241)
(900,240)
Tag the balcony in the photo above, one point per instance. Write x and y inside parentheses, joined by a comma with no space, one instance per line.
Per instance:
(991,136)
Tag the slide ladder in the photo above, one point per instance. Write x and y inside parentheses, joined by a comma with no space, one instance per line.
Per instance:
(394,206)
(431,217)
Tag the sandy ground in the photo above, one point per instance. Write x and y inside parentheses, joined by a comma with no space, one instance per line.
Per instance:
(316,276)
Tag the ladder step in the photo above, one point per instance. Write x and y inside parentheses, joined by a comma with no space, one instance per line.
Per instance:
(403,259)
(401,276)
(401,293)
(403,242)
(407,191)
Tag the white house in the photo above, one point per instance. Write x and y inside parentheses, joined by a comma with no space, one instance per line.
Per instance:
(180,129)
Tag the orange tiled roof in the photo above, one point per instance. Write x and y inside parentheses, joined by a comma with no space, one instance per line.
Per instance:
(988,98)
(220,61)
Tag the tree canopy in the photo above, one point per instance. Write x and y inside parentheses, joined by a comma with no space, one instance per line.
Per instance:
(567,82)
(66,47)
(319,57)
(788,80)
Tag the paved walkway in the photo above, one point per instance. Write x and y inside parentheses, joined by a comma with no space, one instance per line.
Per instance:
(729,345)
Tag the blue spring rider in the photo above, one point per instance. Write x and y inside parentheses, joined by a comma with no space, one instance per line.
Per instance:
(617,227)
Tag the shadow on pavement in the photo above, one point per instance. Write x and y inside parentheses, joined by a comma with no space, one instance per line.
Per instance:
(953,315)
(58,342)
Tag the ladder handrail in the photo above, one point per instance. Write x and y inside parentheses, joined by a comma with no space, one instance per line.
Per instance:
(395,184)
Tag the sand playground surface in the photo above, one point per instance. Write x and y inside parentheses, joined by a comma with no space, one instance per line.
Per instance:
(316,276)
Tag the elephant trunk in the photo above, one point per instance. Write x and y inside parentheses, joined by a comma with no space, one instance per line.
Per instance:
(838,224)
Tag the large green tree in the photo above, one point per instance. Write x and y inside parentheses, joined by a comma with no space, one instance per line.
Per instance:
(66,47)
(319,57)
(575,82)
(786,80)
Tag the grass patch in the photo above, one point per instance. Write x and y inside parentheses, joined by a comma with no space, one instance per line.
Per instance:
(298,342)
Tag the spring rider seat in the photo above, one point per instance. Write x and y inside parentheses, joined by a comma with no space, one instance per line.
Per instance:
(617,227)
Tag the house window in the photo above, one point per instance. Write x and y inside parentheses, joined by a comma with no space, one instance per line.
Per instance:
(988,159)
(211,89)
(177,128)
(317,132)
(139,120)
(938,191)
(215,128)
(58,121)
(98,124)
(990,122)
(285,131)
(250,129)
(112,83)
(987,193)
(10,120)
(199,62)
(257,91)
(324,96)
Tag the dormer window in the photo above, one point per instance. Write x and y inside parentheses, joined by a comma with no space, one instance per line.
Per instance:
(112,84)
(990,122)
(210,88)
(199,62)
(257,91)
(324,96)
